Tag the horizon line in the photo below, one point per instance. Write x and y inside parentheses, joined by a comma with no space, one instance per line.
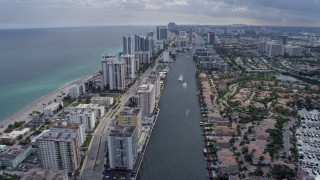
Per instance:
(123,25)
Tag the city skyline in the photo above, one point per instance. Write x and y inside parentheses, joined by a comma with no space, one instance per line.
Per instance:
(59,13)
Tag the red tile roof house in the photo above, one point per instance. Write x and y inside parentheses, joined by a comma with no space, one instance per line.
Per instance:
(223,131)
(227,163)
(257,148)
(261,130)
(315,88)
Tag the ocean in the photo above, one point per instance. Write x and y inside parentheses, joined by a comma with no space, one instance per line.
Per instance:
(34,62)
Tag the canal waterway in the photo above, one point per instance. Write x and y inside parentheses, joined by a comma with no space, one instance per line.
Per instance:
(175,150)
(286,78)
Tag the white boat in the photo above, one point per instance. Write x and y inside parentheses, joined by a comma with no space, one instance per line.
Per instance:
(204,151)
(184,84)
(180,78)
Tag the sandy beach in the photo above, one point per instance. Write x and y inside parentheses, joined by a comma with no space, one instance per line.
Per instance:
(38,104)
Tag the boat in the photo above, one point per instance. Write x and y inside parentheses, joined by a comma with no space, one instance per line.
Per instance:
(204,151)
(180,78)
(184,84)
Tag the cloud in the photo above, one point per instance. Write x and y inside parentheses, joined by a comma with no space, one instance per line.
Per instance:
(260,12)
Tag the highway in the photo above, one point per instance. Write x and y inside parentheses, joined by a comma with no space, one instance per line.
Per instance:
(95,159)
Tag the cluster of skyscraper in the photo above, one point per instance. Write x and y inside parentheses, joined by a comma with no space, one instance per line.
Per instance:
(123,141)
(58,148)
(137,52)
(272,48)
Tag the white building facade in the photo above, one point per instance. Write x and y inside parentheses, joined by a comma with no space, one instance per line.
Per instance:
(293,50)
(274,49)
(154,78)
(129,66)
(87,118)
(62,127)
(113,70)
(146,99)
(50,109)
(162,33)
(77,90)
(143,56)
(122,147)
(102,101)
(58,151)
(128,45)
(96,108)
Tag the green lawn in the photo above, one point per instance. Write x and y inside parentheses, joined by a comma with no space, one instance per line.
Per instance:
(87,141)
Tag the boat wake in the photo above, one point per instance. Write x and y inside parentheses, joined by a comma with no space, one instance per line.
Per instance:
(184,84)
(187,113)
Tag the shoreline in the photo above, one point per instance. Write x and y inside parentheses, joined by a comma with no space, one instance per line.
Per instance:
(37,104)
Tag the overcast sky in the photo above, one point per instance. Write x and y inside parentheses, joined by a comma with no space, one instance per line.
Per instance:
(42,13)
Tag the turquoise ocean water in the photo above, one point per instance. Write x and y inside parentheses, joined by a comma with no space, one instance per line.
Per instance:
(34,62)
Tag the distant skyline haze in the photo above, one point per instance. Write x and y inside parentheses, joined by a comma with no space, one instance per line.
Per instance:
(59,13)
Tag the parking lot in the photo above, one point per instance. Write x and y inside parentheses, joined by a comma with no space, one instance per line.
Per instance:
(308,141)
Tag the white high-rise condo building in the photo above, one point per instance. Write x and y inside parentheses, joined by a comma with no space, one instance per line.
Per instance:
(122,148)
(149,45)
(274,49)
(162,33)
(293,50)
(128,45)
(87,118)
(113,72)
(105,71)
(154,78)
(146,98)
(58,151)
(211,38)
(129,66)
(313,41)
(131,117)
(62,127)
(143,43)
(77,90)
(143,56)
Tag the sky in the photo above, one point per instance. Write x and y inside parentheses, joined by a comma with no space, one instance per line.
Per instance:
(48,13)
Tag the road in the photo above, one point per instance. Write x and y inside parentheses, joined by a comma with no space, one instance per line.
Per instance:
(95,159)
(286,135)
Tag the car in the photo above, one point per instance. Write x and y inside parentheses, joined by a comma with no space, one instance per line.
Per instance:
(314,172)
